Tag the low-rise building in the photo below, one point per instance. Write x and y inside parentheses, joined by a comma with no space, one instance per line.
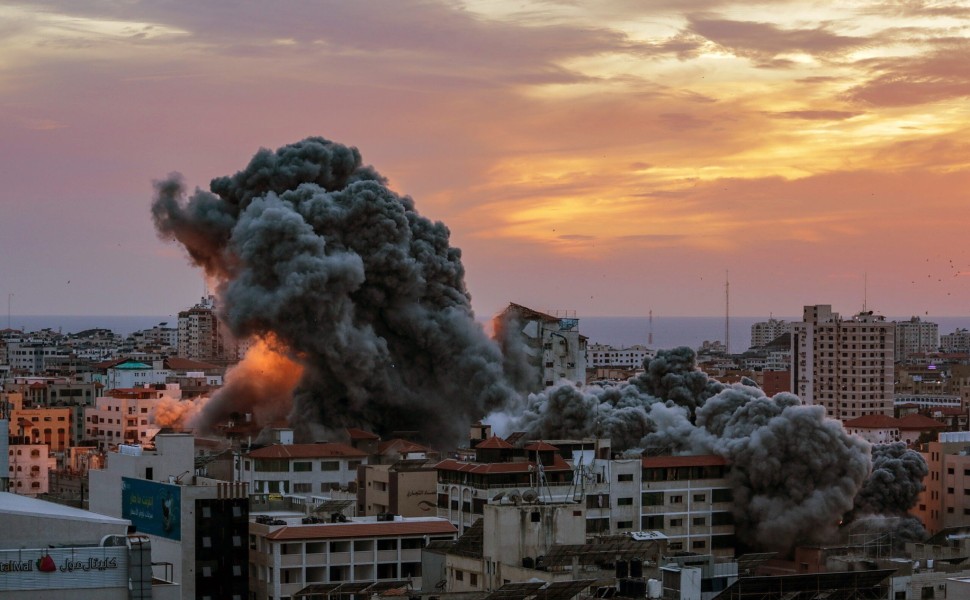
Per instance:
(289,552)
(302,469)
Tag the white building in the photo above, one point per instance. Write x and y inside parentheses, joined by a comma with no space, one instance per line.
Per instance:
(301,469)
(844,365)
(197,525)
(551,344)
(291,551)
(49,550)
(603,355)
(764,332)
(916,337)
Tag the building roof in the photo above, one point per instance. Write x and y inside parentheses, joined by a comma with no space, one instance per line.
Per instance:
(502,467)
(401,446)
(696,460)
(494,443)
(919,422)
(358,530)
(540,446)
(323,450)
(874,421)
(360,434)
(177,363)
(15,504)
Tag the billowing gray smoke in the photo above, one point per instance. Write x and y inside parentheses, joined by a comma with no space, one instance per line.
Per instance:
(891,490)
(310,245)
(794,472)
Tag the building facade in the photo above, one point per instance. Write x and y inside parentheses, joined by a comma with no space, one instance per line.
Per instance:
(764,332)
(916,337)
(290,552)
(844,365)
(552,345)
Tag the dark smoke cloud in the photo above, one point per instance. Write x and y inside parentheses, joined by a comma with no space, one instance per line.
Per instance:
(794,472)
(891,490)
(311,246)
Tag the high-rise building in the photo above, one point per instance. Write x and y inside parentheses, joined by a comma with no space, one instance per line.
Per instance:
(550,346)
(916,337)
(202,336)
(765,332)
(845,365)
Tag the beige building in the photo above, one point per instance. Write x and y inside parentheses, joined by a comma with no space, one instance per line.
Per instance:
(29,467)
(289,552)
(301,469)
(844,365)
(551,344)
(124,416)
(405,483)
(945,501)
(916,337)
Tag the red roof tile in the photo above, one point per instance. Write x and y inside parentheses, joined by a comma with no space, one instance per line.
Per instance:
(327,450)
(919,422)
(493,443)
(872,422)
(540,446)
(360,434)
(177,363)
(358,530)
(503,467)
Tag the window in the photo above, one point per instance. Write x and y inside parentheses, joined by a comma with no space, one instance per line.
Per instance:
(302,465)
(624,524)
(676,499)
(700,497)
(459,575)
(698,521)
(652,498)
(473,579)
(625,477)
(302,488)
(676,522)
(624,501)
(330,465)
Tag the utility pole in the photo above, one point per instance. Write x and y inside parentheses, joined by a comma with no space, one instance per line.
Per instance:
(727,312)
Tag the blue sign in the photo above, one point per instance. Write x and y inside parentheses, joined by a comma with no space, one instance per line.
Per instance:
(152,507)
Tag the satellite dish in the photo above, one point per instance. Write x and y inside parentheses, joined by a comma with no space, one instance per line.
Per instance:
(515,497)
(530,496)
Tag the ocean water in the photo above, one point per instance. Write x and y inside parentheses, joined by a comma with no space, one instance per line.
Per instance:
(668,332)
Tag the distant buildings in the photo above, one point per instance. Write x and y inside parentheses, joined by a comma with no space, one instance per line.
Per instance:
(916,337)
(610,357)
(204,337)
(764,332)
(844,365)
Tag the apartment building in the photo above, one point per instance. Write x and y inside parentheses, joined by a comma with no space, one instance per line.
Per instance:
(945,499)
(845,365)
(609,357)
(916,337)
(499,469)
(765,332)
(125,415)
(198,526)
(29,467)
(551,343)
(203,336)
(301,469)
(289,552)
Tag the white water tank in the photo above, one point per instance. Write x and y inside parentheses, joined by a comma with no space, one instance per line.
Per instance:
(654,588)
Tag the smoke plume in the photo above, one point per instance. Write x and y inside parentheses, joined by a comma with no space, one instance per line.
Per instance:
(368,296)
(794,472)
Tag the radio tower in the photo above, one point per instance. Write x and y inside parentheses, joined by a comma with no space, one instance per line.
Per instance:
(727,313)
(650,328)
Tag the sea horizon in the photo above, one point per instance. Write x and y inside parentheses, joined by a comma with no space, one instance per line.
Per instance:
(667,332)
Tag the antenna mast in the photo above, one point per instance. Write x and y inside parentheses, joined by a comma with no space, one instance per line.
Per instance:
(865,291)
(727,312)
(650,328)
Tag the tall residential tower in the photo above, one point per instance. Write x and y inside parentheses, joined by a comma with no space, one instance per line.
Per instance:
(844,365)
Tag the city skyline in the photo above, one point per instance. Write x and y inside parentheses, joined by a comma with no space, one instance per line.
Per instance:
(610,159)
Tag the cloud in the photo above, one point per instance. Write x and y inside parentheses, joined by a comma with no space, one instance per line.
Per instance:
(766,41)
(817,115)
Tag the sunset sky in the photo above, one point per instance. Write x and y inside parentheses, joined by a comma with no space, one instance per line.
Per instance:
(605,157)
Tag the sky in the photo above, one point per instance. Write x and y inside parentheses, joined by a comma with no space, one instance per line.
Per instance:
(610,158)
